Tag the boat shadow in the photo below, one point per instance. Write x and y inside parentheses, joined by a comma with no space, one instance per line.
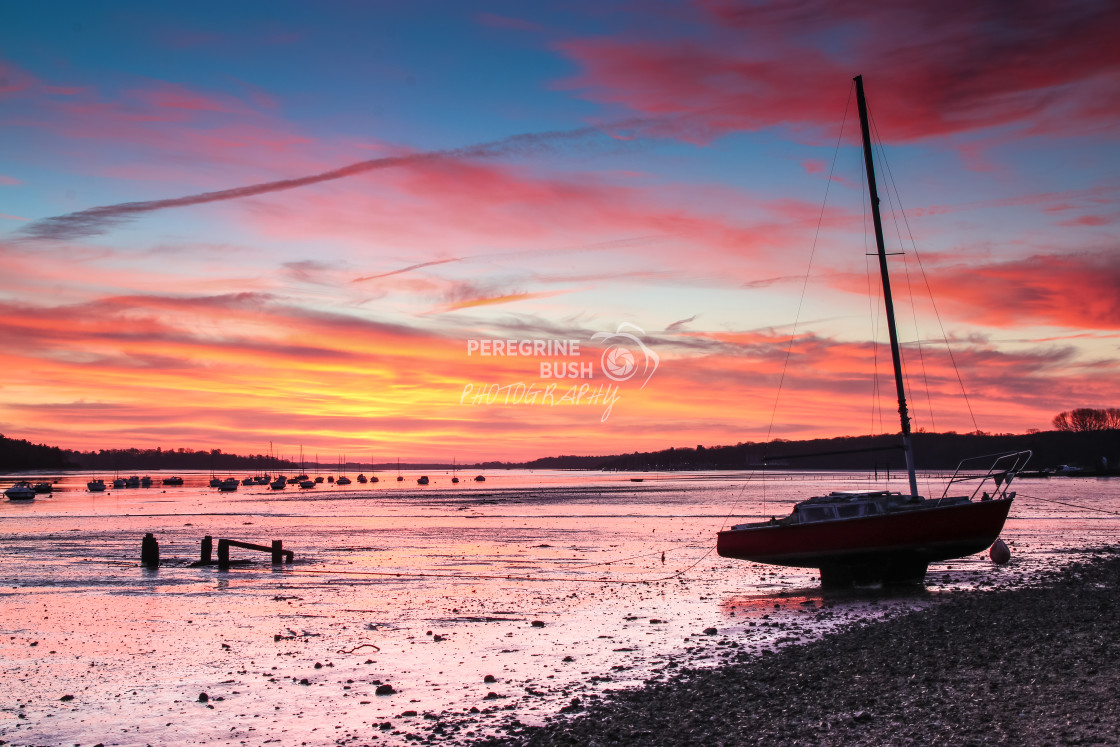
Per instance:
(810,598)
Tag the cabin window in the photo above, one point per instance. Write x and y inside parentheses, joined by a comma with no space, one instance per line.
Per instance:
(848,512)
(871,508)
(816,513)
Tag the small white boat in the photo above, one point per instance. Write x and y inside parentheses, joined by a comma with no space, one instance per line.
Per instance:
(145,481)
(422,480)
(95,486)
(279,483)
(43,487)
(229,485)
(133,482)
(305,484)
(172,481)
(120,482)
(21,491)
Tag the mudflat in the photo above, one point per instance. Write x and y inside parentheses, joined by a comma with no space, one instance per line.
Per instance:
(1038,665)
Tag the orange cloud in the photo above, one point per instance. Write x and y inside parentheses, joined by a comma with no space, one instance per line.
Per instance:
(239,370)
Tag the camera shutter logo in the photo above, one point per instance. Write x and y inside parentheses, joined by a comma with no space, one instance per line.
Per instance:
(625,354)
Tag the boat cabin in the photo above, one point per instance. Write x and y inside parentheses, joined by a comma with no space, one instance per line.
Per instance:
(844,504)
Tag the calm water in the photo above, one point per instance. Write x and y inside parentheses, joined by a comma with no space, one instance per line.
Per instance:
(556,584)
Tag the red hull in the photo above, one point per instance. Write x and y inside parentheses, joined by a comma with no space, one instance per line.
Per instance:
(921,535)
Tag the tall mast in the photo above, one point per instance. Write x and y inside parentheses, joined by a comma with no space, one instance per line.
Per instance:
(896,358)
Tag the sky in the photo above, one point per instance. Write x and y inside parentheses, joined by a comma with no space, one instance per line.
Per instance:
(442,231)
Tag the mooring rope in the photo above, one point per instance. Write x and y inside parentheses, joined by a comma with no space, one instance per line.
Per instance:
(1067,503)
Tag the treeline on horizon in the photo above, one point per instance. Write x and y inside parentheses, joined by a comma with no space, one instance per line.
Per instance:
(1090,450)
(17,455)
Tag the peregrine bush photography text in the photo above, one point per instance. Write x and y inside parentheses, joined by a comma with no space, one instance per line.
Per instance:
(624,357)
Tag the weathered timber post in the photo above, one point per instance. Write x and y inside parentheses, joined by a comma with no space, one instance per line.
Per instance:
(223,554)
(207,550)
(149,551)
(277,552)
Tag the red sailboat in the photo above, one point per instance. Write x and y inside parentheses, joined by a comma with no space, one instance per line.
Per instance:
(880,536)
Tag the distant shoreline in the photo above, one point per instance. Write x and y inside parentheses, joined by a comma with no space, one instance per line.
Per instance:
(1091,452)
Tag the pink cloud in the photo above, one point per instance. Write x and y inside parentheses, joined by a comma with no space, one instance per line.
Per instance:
(1088,220)
(1076,291)
(15,80)
(173,96)
(453,207)
(931,70)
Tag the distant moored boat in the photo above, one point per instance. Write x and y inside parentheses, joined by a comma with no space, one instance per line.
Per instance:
(21,491)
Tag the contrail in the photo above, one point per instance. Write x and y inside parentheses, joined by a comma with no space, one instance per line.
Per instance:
(97,220)
(410,268)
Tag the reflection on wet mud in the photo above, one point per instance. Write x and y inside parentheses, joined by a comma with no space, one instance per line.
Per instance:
(432,611)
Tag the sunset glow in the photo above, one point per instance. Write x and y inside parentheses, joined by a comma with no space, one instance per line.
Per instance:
(221,228)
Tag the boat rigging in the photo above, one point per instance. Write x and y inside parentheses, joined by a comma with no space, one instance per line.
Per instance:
(882,536)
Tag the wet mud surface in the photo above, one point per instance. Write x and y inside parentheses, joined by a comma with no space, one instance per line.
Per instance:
(443,616)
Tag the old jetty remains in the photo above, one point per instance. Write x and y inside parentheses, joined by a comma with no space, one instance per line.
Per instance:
(276,549)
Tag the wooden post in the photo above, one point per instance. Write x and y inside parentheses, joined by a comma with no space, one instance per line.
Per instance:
(149,551)
(207,550)
(223,554)
(277,552)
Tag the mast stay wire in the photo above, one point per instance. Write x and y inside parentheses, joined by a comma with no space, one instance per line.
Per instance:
(929,292)
(894,191)
(894,200)
(874,297)
(804,286)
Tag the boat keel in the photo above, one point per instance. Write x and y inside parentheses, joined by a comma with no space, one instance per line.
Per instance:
(892,570)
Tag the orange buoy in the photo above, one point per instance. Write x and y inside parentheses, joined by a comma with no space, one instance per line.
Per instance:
(999,553)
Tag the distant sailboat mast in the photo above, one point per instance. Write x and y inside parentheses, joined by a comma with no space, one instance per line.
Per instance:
(868,160)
